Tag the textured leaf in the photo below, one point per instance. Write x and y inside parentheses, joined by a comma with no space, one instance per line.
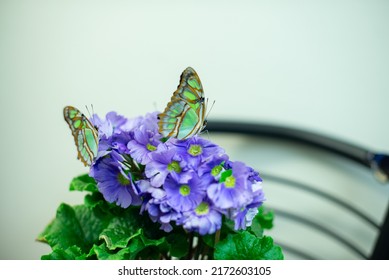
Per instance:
(79,226)
(117,237)
(83,183)
(246,246)
(96,199)
(103,253)
(121,229)
(152,242)
(65,231)
(136,244)
(71,253)
(92,222)
(101,230)
(263,220)
(178,244)
(209,240)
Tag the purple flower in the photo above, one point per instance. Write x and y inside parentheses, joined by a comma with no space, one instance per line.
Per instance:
(160,211)
(233,190)
(165,161)
(144,142)
(213,166)
(120,141)
(116,142)
(111,134)
(104,148)
(204,219)
(112,124)
(149,122)
(258,195)
(114,183)
(185,196)
(188,182)
(253,175)
(196,150)
(244,218)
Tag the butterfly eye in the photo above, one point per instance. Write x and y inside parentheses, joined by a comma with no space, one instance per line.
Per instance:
(201,100)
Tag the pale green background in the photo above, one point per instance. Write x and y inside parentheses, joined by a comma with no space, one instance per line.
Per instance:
(317,65)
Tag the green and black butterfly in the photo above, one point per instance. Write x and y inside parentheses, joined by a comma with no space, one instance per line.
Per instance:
(84,133)
(184,115)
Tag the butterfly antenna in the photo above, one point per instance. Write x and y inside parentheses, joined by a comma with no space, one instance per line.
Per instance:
(89,112)
(206,132)
(209,111)
(87,109)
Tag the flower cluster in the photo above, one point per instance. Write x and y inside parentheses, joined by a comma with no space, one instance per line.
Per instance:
(191,182)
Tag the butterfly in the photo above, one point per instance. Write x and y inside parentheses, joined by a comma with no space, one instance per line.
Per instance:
(84,133)
(184,115)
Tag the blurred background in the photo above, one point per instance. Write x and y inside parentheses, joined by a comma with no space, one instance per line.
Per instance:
(321,66)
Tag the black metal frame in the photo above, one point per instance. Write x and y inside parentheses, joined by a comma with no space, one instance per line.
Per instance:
(376,161)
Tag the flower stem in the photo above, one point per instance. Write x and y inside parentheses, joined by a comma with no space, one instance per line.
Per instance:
(199,249)
(205,253)
(217,236)
(190,249)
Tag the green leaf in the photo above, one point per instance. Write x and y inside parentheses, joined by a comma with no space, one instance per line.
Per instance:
(152,242)
(263,220)
(103,253)
(178,244)
(225,175)
(136,244)
(102,230)
(65,231)
(152,248)
(71,253)
(117,237)
(122,228)
(83,183)
(42,236)
(209,240)
(95,199)
(92,221)
(150,253)
(246,246)
(79,226)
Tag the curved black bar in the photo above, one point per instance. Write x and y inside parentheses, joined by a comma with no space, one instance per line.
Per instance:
(324,195)
(378,162)
(381,248)
(321,229)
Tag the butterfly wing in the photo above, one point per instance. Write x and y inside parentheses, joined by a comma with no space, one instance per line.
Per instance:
(84,133)
(190,88)
(184,114)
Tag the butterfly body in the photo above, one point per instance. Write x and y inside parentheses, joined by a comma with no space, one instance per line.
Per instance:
(184,115)
(84,133)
